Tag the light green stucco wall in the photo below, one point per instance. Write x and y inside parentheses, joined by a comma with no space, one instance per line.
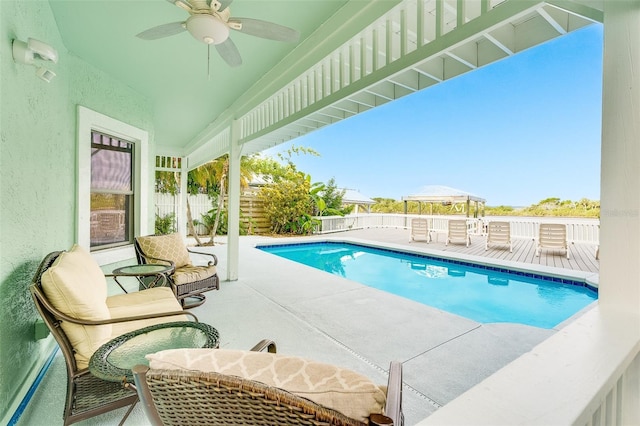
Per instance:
(38,174)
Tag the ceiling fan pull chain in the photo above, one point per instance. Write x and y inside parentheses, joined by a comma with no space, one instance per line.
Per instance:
(208,62)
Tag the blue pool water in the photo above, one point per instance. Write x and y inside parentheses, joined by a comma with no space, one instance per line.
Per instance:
(481,293)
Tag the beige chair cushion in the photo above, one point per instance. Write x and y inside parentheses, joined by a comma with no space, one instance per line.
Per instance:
(190,273)
(145,302)
(76,286)
(343,390)
(168,247)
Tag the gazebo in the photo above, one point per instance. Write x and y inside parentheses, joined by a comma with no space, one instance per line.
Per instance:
(447,196)
(353,197)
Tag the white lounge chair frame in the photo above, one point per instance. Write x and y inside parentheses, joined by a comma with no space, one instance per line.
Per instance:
(499,233)
(458,232)
(552,236)
(420,230)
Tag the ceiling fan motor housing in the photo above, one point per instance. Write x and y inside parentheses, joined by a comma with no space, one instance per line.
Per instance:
(207,28)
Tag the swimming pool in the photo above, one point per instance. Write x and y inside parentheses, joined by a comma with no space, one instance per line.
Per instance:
(479,292)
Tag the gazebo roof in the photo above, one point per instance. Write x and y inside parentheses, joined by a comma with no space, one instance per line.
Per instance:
(439,194)
(351,196)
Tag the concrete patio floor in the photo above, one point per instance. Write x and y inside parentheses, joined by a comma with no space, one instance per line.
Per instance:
(317,315)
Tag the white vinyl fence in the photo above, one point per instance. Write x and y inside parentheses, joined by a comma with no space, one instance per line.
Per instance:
(200,204)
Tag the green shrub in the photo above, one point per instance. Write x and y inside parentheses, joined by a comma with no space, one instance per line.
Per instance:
(166,224)
(287,204)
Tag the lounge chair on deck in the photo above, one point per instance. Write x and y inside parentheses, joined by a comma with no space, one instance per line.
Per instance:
(420,230)
(552,236)
(70,292)
(499,233)
(458,232)
(229,387)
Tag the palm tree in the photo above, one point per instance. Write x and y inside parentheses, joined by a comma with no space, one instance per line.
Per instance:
(220,171)
(199,178)
(213,175)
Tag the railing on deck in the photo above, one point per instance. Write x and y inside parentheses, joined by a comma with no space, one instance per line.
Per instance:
(615,403)
(584,231)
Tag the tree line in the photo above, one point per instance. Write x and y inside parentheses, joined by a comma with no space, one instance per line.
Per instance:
(547,207)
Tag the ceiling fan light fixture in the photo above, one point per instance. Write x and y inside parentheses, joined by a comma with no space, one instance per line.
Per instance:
(207,29)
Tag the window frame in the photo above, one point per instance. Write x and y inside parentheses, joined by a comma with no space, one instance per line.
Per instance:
(88,121)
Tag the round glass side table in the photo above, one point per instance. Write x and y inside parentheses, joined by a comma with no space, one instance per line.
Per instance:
(114,360)
(148,275)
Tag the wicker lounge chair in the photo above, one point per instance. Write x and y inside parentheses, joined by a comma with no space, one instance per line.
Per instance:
(498,233)
(181,387)
(420,230)
(458,232)
(188,282)
(71,323)
(552,236)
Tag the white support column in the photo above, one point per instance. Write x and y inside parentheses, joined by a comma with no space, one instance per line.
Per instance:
(620,173)
(182,201)
(233,206)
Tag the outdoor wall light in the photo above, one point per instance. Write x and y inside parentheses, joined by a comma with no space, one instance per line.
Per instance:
(27,52)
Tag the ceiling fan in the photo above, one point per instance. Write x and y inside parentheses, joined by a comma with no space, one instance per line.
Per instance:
(210,22)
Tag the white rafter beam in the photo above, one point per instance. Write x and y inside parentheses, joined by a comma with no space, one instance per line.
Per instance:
(498,44)
(427,74)
(462,61)
(400,84)
(383,96)
(555,24)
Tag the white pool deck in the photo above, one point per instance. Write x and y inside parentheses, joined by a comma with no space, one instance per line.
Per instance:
(314,314)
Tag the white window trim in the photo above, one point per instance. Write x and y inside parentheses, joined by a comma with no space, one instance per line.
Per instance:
(89,120)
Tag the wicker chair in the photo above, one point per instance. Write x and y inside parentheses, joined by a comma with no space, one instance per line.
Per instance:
(187,281)
(191,397)
(87,396)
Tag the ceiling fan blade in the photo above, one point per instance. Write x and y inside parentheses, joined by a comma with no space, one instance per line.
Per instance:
(184,4)
(225,4)
(264,29)
(161,31)
(229,52)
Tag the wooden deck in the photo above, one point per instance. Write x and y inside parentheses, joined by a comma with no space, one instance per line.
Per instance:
(581,256)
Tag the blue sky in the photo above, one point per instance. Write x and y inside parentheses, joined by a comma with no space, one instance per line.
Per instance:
(513,132)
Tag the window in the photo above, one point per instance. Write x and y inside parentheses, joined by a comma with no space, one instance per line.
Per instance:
(116,181)
(111,191)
